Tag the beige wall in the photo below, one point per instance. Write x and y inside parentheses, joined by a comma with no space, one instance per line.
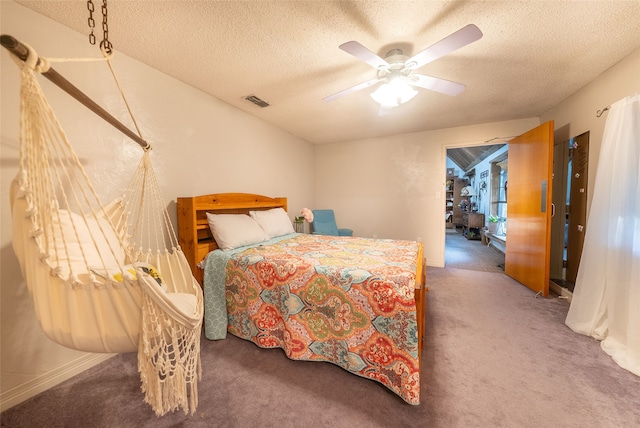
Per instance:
(577,114)
(393,187)
(201,145)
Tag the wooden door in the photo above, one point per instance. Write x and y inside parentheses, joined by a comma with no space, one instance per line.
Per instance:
(529,208)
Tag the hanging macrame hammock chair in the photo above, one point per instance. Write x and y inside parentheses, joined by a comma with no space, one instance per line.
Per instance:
(104,278)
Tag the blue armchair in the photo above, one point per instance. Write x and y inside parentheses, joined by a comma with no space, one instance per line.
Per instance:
(324,223)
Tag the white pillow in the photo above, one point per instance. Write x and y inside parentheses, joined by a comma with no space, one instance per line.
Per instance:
(235,230)
(106,240)
(275,222)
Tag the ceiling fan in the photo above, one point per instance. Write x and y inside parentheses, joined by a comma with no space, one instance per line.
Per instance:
(397,70)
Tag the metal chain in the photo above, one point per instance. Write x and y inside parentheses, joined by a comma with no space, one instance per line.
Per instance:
(92,23)
(105,44)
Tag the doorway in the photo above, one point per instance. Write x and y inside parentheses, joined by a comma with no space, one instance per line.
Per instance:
(527,249)
(471,197)
(570,175)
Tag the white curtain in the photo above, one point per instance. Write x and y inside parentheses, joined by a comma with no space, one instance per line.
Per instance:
(606,298)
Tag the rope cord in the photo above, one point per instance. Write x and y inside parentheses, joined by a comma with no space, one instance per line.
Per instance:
(126,103)
(150,211)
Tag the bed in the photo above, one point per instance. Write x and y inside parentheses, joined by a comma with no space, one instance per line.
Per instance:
(356,302)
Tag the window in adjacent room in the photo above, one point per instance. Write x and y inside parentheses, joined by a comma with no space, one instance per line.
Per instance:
(499,186)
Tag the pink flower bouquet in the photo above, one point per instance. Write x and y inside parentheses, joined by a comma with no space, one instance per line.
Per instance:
(307,214)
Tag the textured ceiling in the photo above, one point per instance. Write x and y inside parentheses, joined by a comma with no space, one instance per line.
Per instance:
(468,157)
(533,55)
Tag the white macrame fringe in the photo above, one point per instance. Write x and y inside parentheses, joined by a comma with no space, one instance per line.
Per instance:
(168,361)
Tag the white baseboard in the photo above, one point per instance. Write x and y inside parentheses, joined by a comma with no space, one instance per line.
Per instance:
(31,388)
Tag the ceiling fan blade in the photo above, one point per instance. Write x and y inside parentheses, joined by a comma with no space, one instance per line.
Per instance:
(364,54)
(355,88)
(460,38)
(435,84)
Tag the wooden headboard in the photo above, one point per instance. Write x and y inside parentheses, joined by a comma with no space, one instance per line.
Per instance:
(194,234)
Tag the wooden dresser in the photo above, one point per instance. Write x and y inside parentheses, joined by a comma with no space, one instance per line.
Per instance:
(472,223)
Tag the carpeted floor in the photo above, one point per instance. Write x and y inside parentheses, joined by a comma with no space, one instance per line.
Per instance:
(461,253)
(495,356)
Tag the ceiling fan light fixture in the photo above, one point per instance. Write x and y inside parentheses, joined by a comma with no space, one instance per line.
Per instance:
(397,65)
(397,91)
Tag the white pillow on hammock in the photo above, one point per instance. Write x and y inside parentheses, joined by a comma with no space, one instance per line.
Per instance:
(99,255)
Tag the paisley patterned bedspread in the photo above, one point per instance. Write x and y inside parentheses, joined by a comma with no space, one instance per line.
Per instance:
(344,300)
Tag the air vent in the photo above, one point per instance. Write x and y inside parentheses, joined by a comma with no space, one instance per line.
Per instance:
(257,101)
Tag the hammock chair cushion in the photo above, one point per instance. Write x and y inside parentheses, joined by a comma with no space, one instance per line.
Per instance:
(73,236)
(183,306)
(130,273)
